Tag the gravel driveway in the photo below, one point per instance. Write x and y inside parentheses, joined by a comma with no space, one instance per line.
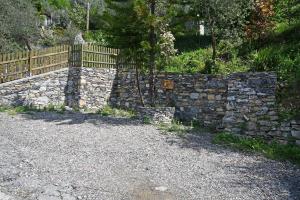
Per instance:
(48,156)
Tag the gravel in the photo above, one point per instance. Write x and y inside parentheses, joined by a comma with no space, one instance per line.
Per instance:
(49,156)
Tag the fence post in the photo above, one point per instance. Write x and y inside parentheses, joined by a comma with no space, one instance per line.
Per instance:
(30,63)
(70,62)
(81,55)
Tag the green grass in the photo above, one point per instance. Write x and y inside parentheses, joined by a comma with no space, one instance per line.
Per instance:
(13,110)
(116,112)
(272,150)
(182,128)
(147,120)
(175,127)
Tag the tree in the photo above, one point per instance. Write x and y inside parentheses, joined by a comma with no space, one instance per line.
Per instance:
(18,25)
(226,19)
(140,27)
(125,32)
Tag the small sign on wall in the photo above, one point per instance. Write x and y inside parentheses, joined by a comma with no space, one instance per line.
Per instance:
(168,84)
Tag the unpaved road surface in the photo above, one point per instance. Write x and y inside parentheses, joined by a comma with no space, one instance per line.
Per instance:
(48,156)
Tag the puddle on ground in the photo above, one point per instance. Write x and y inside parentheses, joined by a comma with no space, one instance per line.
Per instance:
(150,192)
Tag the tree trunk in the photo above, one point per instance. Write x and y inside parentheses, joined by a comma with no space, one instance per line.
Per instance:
(88,17)
(138,84)
(214,45)
(27,43)
(152,40)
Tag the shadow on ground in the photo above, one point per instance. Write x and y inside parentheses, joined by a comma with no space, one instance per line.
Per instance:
(73,118)
(255,170)
(259,171)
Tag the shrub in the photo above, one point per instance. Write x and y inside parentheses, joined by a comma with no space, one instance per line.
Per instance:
(96,36)
(200,62)
(190,62)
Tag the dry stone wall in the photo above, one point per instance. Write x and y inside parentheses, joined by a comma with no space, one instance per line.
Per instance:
(74,87)
(196,97)
(242,103)
(89,87)
(35,91)
(250,107)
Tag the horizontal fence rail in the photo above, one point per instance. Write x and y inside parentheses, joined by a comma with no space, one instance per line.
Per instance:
(18,65)
(99,57)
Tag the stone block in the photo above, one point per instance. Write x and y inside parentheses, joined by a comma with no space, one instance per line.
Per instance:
(251,126)
(211,97)
(42,101)
(231,98)
(218,97)
(194,95)
(296,134)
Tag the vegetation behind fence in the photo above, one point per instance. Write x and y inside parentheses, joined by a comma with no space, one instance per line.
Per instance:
(23,64)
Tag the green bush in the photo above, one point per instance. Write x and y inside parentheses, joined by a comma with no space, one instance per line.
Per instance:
(190,62)
(200,62)
(281,58)
(96,36)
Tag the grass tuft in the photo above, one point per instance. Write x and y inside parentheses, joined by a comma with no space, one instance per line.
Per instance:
(272,150)
(147,120)
(11,110)
(116,112)
(181,129)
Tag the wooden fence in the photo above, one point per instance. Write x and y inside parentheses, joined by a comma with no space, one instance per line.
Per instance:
(23,64)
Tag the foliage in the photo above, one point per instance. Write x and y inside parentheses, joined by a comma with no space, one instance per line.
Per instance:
(280,53)
(96,36)
(115,112)
(286,113)
(191,42)
(199,61)
(287,10)
(18,25)
(68,35)
(140,28)
(43,5)
(272,150)
(166,45)
(60,4)
(226,19)
(260,22)
(58,36)
(77,15)
(190,62)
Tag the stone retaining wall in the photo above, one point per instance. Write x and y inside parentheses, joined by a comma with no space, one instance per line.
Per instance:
(36,91)
(290,130)
(196,97)
(242,103)
(250,106)
(77,87)
(89,87)
(157,115)
(295,130)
